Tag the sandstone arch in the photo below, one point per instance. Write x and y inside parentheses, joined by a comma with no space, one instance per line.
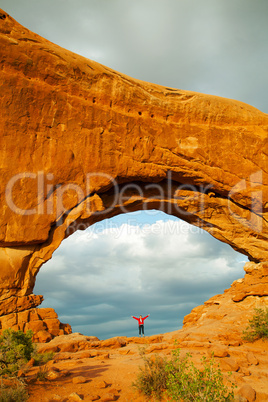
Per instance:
(76,135)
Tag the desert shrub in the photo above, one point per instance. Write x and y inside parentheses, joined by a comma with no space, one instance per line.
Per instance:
(16,393)
(179,379)
(42,358)
(15,350)
(185,381)
(258,326)
(42,374)
(152,379)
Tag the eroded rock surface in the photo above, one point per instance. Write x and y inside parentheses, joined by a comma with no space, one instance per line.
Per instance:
(79,142)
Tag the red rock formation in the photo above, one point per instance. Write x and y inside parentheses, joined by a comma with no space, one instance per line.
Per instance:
(224,317)
(74,133)
(43,322)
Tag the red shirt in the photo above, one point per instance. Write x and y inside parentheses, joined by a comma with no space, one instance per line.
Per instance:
(141,320)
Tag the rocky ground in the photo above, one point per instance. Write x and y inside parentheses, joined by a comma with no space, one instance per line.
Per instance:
(84,368)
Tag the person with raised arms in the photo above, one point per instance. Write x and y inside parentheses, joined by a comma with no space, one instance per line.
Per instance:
(141,323)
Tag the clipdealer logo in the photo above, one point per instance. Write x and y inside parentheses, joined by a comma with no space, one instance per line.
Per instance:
(50,196)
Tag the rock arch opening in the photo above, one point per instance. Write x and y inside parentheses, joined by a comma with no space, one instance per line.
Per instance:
(136,263)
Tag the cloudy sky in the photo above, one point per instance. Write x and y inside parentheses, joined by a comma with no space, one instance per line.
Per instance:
(150,263)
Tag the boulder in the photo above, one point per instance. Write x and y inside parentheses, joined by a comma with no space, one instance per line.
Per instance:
(248,393)
(113,343)
(75,397)
(68,343)
(79,380)
(251,358)
(229,364)
(219,351)
(109,397)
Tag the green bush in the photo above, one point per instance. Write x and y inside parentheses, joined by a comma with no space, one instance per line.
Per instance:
(42,358)
(16,348)
(179,379)
(258,326)
(187,382)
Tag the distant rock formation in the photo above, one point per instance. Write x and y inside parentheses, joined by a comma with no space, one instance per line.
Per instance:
(81,143)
